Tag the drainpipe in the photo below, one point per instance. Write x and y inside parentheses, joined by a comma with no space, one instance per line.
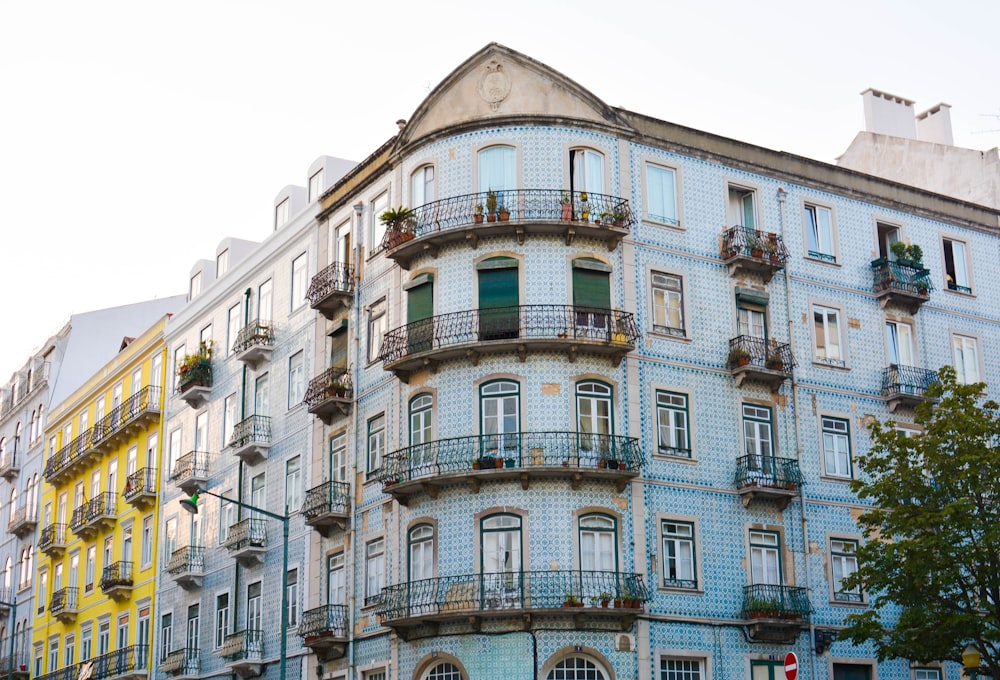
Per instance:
(797,426)
(352,535)
(239,476)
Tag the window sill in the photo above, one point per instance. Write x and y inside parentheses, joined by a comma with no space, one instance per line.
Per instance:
(662,335)
(826,364)
(849,605)
(674,459)
(664,225)
(822,260)
(839,480)
(959,293)
(680,591)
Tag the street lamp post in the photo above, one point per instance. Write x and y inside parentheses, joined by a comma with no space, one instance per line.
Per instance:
(191,505)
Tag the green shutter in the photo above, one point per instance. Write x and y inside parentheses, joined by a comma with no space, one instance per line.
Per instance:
(498,289)
(591,288)
(420,302)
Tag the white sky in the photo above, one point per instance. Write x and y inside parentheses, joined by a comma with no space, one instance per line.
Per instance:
(134,136)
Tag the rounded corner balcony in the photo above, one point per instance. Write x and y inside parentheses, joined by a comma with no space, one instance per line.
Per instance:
(22,521)
(759,360)
(766,478)
(330,393)
(775,613)
(515,212)
(541,328)
(902,283)
(332,289)
(906,385)
(746,250)
(521,456)
(254,344)
(592,600)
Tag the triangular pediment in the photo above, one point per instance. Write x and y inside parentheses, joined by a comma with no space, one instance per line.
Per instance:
(499,84)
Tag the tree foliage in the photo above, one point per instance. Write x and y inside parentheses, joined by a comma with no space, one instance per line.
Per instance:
(932,549)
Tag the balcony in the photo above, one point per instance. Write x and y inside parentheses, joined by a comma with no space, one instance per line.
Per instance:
(94,516)
(182,664)
(530,212)
(775,613)
(324,631)
(6,597)
(247,541)
(186,566)
(67,673)
(254,343)
(332,289)
(749,251)
(75,454)
(251,439)
(140,488)
(52,541)
(330,393)
(137,411)
(244,652)
(906,385)
(127,663)
(759,360)
(541,328)
(22,522)
(326,506)
(63,604)
(116,580)
(520,456)
(15,668)
(190,472)
(903,285)
(10,466)
(767,478)
(194,383)
(537,598)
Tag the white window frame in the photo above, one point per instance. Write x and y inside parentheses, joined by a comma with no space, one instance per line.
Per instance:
(375,441)
(374,570)
(832,257)
(736,191)
(299,282)
(296,378)
(376,230)
(838,426)
(663,281)
(378,325)
(843,547)
(316,184)
(695,539)
(966,340)
(963,283)
(666,400)
(674,222)
(703,660)
(418,178)
(293,484)
(281,213)
(829,334)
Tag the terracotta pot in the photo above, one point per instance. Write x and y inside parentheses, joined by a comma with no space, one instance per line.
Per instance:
(477,219)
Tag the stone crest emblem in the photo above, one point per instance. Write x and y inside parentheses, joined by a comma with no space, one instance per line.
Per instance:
(494,86)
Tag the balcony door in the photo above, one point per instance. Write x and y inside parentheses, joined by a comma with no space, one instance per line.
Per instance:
(593,417)
(591,298)
(336,580)
(419,314)
(254,612)
(765,560)
(501,422)
(758,438)
(501,561)
(421,422)
(586,171)
(498,172)
(899,343)
(193,627)
(498,298)
(421,563)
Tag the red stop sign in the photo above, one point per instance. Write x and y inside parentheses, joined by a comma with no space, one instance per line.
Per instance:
(791,666)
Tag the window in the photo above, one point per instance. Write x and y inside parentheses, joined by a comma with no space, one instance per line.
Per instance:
(146,552)
(678,557)
(576,668)
(374,570)
(264,302)
(316,185)
(899,343)
(53,653)
(421,417)
(254,612)
(222,263)
(299,282)
(227,516)
(836,447)
(497,170)
(179,353)
(827,337)
(668,304)
(296,379)
(847,671)
(661,195)
(843,563)
(293,484)
(586,171)
(421,554)
(86,641)
(292,592)
(966,354)
(376,442)
(221,618)
(194,290)
(444,671)
(499,412)
(233,328)
(672,424)
(229,416)
(166,635)
(757,434)
(422,186)
(500,552)
(680,669)
(336,580)
(174,449)
(765,560)
(819,233)
(194,627)
(377,326)
(376,230)
(598,543)
(90,568)
(374,675)
(743,207)
(338,457)
(593,419)
(956,267)
(170,539)
(926,674)
(261,399)
(751,316)
(281,213)
(43,577)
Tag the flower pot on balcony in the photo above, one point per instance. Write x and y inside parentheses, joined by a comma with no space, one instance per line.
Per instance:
(498,463)
(475,464)
(509,462)
(477,218)
(503,214)
(757,252)
(619,338)
(491,217)
(567,212)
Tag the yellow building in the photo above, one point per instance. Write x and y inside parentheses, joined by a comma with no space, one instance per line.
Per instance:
(96,563)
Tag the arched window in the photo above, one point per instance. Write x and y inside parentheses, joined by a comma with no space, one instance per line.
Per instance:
(421,422)
(32,425)
(576,668)
(13,501)
(598,545)
(594,420)
(586,171)
(421,540)
(41,423)
(500,551)
(498,170)
(444,671)
(17,436)
(3,451)
(500,419)
(8,573)
(422,186)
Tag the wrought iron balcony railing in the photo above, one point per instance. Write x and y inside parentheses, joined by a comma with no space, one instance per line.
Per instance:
(766,601)
(102,506)
(144,402)
(333,281)
(254,334)
(190,558)
(460,596)
(64,600)
(190,471)
(547,210)
(186,662)
(329,619)
(904,284)
(116,575)
(546,326)
(768,471)
(327,498)
(9,465)
(199,374)
(906,384)
(124,661)
(140,483)
(252,430)
(754,358)
(67,673)
(746,249)
(330,391)
(22,520)
(247,645)
(247,533)
(66,458)
(52,538)
(78,520)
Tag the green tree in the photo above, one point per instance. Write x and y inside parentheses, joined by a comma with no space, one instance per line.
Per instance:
(932,549)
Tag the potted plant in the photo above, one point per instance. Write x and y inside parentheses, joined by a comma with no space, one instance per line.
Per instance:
(607,219)
(509,462)
(738,356)
(605,598)
(504,213)
(898,250)
(618,217)
(477,217)
(567,206)
(572,601)
(771,246)
(584,207)
(491,206)
(755,246)
(475,463)
(774,361)
(400,223)
(195,369)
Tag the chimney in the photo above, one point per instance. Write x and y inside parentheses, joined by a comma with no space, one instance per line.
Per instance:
(887,114)
(934,125)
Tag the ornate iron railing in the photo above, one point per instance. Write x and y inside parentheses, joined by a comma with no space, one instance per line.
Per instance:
(69,454)
(145,400)
(52,536)
(121,661)
(526,322)
(330,618)
(64,600)
(247,533)
(761,245)
(523,205)
(184,661)
(67,673)
(253,430)
(116,575)
(907,380)
(190,558)
(889,275)
(191,464)
(514,450)
(767,471)
(334,278)
(747,350)
(243,645)
(20,519)
(198,374)
(768,601)
(78,519)
(333,382)
(102,505)
(328,497)
(511,590)
(255,333)
(142,481)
